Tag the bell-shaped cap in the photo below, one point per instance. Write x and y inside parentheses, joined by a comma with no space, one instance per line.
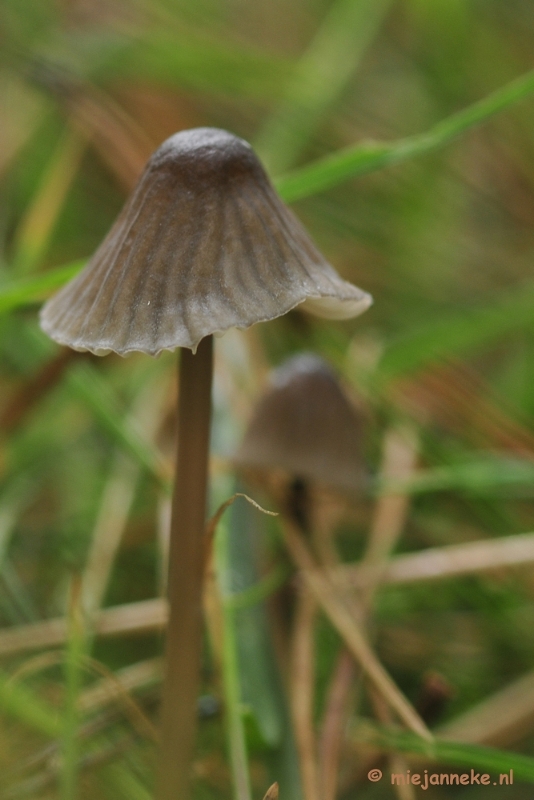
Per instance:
(203,244)
(305,425)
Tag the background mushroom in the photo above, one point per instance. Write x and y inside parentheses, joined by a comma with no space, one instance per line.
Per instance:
(305,426)
(202,245)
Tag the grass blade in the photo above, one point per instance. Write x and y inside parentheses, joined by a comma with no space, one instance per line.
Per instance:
(26,291)
(197,63)
(262,690)
(98,396)
(319,78)
(361,159)
(231,676)
(73,678)
(458,334)
(36,228)
(457,753)
(476,476)
(25,706)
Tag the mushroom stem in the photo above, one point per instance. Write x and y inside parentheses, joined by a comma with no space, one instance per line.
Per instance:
(186,557)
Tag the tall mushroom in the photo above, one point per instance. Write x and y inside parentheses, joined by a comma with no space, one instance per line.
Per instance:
(202,245)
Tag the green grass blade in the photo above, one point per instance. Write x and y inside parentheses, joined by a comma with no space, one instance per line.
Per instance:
(15,599)
(26,291)
(27,708)
(35,231)
(95,392)
(261,684)
(458,334)
(251,679)
(231,676)
(457,753)
(352,162)
(198,64)
(15,496)
(122,780)
(17,592)
(88,385)
(75,652)
(476,476)
(260,591)
(320,78)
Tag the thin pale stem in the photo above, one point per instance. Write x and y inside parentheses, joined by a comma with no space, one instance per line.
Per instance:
(73,680)
(335,715)
(341,616)
(186,567)
(302,690)
(399,461)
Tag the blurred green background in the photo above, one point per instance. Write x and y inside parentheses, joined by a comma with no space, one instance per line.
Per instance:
(436,223)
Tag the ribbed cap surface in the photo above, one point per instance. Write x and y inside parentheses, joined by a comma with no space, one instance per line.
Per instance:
(305,425)
(203,244)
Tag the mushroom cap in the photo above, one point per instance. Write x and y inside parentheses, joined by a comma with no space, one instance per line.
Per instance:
(305,425)
(203,244)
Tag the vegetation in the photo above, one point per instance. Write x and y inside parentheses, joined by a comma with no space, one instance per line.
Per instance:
(401,134)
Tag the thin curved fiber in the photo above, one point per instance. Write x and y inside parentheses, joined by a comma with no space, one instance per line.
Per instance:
(203,244)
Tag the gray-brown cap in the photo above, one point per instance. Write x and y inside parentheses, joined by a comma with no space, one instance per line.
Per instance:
(203,244)
(305,425)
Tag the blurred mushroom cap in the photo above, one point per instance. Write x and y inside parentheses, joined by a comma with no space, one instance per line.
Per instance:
(203,244)
(305,425)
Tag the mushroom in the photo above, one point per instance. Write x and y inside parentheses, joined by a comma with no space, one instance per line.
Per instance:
(305,424)
(202,245)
